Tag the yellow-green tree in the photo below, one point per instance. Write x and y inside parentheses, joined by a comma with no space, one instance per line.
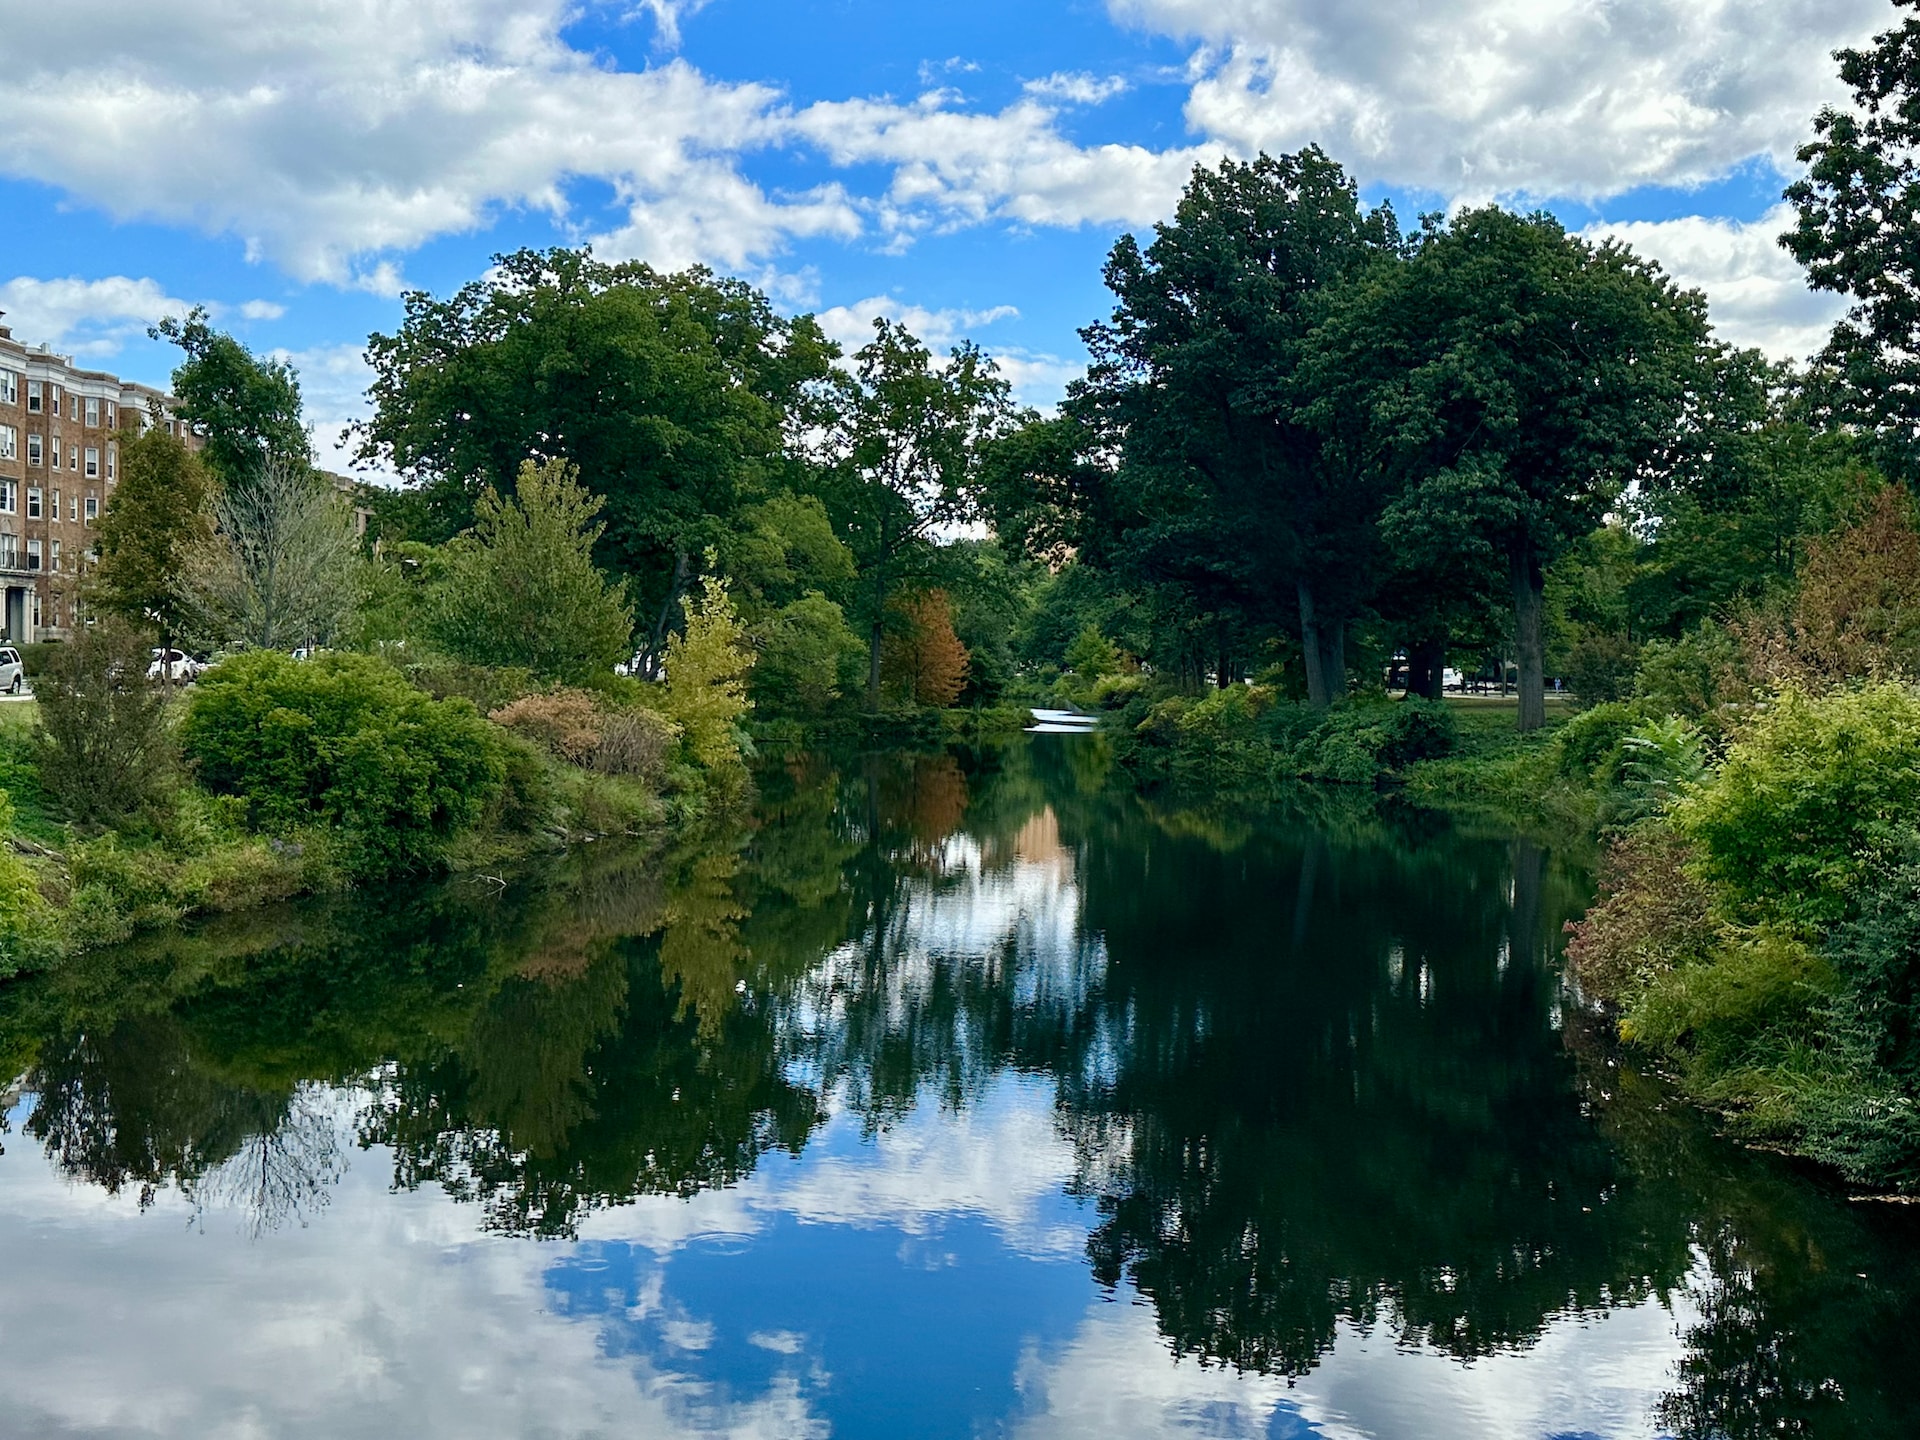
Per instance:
(706,689)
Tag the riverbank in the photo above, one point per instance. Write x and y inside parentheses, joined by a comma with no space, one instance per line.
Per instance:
(1758,930)
(277,779)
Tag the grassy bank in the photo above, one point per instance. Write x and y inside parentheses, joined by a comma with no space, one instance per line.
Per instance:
(1758,932)
(274,778)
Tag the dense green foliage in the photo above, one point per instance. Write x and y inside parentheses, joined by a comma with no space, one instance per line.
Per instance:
(1759,924)
(343,740)
(103,748)
(1855,231)
(1813,797)
(245,409)
(520,589)
(159,514)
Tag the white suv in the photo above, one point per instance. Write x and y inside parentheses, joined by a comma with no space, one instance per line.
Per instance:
(13,675)
(176,666)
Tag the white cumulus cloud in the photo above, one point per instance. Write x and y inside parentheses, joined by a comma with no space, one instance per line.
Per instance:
(1757,292)
(1077,87)
(1480,98)
(82,317)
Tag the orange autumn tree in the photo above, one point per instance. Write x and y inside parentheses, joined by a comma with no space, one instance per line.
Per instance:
(922,659)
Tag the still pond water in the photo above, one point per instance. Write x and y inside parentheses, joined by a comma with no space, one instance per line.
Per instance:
(962,1095)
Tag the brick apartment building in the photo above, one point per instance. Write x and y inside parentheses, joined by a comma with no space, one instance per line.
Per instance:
(60,428)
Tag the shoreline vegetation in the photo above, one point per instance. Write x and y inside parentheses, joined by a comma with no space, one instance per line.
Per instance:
(652,528)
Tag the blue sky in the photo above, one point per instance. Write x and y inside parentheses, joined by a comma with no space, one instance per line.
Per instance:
(961,166)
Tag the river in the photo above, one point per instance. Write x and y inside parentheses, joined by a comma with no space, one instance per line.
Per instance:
(957,1095)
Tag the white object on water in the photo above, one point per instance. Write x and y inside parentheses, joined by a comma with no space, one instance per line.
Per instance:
(1062,722)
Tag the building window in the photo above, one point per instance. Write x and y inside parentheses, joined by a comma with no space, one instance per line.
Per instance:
(56,398)
(55,447)
(93,507)
(113,454)
(54,514)
(36,610)
(9,443)
(33,502)
(9,551)
(93,411)
(33,554)
(73,507)
(33,397)
(9,497)
(9,387)
(93,463)
(113,415)
(54,562)
(33,450)
(73,457)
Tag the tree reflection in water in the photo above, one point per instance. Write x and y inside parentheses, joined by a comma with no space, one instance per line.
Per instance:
(1311,1059)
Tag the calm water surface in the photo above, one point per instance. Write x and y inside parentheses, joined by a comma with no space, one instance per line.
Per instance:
(957,1096)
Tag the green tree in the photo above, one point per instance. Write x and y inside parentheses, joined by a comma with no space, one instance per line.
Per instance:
(801,652)
(1858,234)
(521,587)
(786,548)
(103,745)
(907,442)
(706,689)
(158,517)
(1519,377)
(674,394)
(1233,493)
(245,408)
(282,568)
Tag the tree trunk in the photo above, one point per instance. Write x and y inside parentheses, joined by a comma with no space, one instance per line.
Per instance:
(1427,667)
(1313,648)
(1529,638)
(657,642)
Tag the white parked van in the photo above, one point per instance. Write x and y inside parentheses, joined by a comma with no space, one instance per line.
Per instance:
(13,675)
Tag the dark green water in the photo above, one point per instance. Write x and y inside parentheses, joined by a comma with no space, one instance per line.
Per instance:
(955,1096)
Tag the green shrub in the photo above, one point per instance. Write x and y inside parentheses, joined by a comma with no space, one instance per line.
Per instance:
(1876,960)
(345,740)
(1813,799)
(1587,747)
(1600,666)
(28,936)
(1111,692)
(1355,742)
(804,653)
(104,749)
(1653,917)
(1660,762)
(1700,676)
(1757,990)
(488,688)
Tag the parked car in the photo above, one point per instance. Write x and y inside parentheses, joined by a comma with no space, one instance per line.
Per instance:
(13,675)
(175,665)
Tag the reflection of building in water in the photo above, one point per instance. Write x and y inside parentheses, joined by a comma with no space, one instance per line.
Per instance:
(1038,844)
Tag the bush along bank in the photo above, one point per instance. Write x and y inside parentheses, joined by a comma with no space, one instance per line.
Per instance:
(274,777)
(1759,930)
(1244,735)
